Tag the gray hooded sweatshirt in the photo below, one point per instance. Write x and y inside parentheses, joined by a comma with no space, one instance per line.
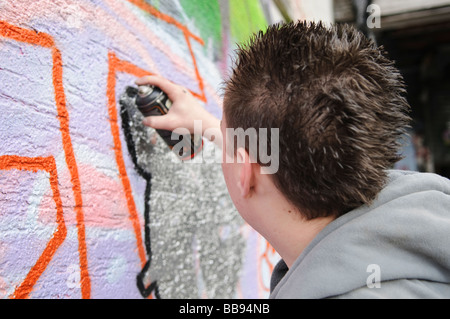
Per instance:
(398,247)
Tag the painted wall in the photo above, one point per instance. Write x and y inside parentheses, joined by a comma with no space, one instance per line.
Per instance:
(93,204)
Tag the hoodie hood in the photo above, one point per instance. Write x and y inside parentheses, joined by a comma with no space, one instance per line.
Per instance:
(404,236)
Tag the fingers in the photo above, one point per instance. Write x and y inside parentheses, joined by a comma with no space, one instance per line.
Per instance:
(159,122)
(182,101)
(170,88)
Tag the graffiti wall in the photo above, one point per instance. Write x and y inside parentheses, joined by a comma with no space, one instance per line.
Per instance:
(93,204)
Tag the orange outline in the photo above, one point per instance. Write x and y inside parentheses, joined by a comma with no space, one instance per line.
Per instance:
(34,164)
(44,40)
(187,35)
(116,65)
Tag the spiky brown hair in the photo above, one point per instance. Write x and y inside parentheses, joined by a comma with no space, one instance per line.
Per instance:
(338,103)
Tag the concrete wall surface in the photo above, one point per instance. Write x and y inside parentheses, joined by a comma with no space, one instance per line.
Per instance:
(93,204)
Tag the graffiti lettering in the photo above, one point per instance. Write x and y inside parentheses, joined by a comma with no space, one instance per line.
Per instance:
(27,36)
(97,199)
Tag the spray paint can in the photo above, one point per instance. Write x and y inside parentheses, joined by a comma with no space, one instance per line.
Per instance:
(152,101)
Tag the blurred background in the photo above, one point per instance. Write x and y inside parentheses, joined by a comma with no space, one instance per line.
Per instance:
(416,34)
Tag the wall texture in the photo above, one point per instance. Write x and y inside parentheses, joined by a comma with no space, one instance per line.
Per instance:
(93,204)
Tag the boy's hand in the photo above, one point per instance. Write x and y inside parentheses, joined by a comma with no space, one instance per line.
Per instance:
(184,111)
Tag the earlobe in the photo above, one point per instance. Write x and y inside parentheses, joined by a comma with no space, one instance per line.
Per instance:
(245,181)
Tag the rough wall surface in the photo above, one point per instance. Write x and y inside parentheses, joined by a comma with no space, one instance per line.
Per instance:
(92,204)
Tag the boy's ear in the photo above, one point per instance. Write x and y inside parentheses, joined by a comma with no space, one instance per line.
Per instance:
(246,174)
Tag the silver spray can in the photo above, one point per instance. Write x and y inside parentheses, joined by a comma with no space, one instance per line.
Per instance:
(152,101)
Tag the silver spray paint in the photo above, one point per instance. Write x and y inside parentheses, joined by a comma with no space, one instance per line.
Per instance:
(196,239)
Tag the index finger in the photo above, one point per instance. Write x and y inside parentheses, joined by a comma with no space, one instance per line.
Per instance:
(165,85)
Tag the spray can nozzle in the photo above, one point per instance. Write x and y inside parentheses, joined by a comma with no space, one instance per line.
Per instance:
(152,101)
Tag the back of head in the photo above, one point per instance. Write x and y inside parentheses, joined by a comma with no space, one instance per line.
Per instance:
(338,103)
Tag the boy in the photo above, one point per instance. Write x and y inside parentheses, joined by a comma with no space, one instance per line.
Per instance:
(344,224)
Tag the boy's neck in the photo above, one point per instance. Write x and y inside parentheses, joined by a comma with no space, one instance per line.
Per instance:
(285,228)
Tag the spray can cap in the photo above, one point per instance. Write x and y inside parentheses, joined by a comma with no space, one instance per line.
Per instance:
(144,90)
